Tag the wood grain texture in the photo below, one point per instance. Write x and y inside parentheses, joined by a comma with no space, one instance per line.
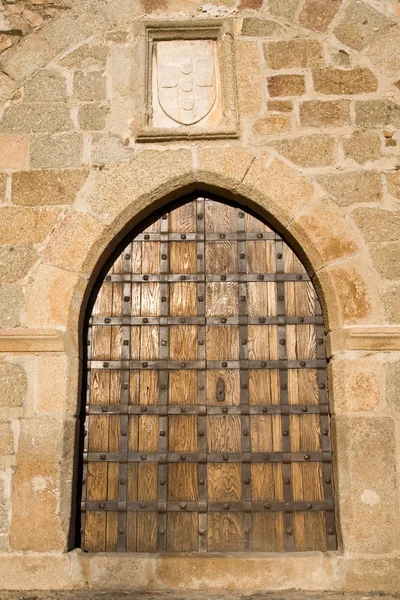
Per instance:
(260,257)
(307,482)
(150,299)
(265,433)
(182,532)
(264,386)
(183,219)
(266,482)
(261,299)
(231,380)
(183,342)
(303,387)
(224,482)
(220,218)
(224,433)
(222,299)
(182,482)
(150,257)
(147,481)
(305,433)
(309,531)
(225,532)
(222,342)
(146,531)
(254,225)
(221,257)
(148,433)
(268,532)
(183,388)
(183,257)
(263,342)
(183,433)
(299,299)
(183,299)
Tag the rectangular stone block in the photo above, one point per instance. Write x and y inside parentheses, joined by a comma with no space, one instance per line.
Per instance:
(353,187)
(378,224)
(393,181)
(314,113)
(89,56)
(318,14)
(272,124)
(11,305)
(92,117)
(89,86)
(386,259)
(260,27)
(354,385)
(13,385)
(362,146)
(46,86)
(60,394)
(308,151)
(26,225)
(377,113)
(6,439)
(361,24)
(248,70)
(57,152)
(52,187)
(293,54)
(280,106)
(341,81)
(37,118)
(14,152)
(15,262)
(390,299)
(392,386)
(286,85)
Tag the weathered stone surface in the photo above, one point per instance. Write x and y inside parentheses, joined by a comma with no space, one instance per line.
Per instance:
(294,54)
(378,224)
(392,386)
(281,106)
(36,118)
(362,146)
(123,70)
(42,447)
(341,81)
(383,52)
(253,4)
(89,86)
(390,299)
(223,167)
(286,85)
(92,117)
(286,10)
(377,113)
(75,237)
(57,152)
(13,386)
(308,151)
(361,24)
(324,234)
(60,394)
(107,149)
(11,304)
(314,113)
(393,181)
(318,14)
(354,385)
(261,27)
(6,439)
(248,71)
(21,225)
(353,187)
(46,86)
(367,470)
(386,259)
(14,152)
(16,262)
(272,124)
(86,57)
(52,187)
(3,187)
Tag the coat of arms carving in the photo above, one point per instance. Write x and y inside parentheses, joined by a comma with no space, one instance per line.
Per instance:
(187,86)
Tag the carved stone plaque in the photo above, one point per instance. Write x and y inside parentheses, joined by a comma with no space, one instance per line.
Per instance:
(189,87)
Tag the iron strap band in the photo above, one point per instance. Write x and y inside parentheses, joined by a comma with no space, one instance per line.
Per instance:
(203,458)
(203,506)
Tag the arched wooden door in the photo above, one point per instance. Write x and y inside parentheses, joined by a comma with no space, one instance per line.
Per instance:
(206,417)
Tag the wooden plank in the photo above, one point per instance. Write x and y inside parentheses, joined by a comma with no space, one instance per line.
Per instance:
(303,387)
(268,532)
(148,388)
(103,304)
(183,257)
(101,342)
(118,266)
(307,481)
(118,299)
(221,257)
(260,257)
(309,531)
(116,343)
(148,433)
(133,434)
(261,299)
(99,387)
(149,342)
(98,433)
(220,218)
(183,342)
(136,257)
(131,531)
(264,386)
(263,342)
(265,433)
(182,482)
(224,433)
(112,531)
(134,382)
(182,532)
(231,380)
(135,343)
(224,482)
(225,532)
(151,257)
(132,482)
(291,264)
(115,388)
(254,225)
(182,388)
(146,531)
(95,531)
(147,481)
(182,433)
(96,481)
(136,299)
(222,342)
(222,299)
(153,227)
(299,299)
(113,433)
(183,218)
(266,482)
(183,299)
(305,433)
(301,343)
(150,299)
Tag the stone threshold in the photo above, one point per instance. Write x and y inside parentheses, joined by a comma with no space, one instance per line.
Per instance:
(201,595)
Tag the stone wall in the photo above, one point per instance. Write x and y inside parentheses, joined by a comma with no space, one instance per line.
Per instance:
(318,153)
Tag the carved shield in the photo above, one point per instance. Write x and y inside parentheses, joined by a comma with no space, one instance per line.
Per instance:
(186,82)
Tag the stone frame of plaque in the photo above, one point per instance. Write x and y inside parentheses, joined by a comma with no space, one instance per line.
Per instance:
(152,123)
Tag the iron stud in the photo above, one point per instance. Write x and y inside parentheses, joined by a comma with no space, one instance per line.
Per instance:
(224,365)
(225,410)
(161,531)
(259,236)
(281,298)
(142,506)
(289,531)
(162,433)
(322,386)
(124,433)
(145,277)
(201,531)
(125,386)
(279,256)
(325,432)
(145,365)
(143,457)
(108,277)
(183,410)
(127,298)
(262,320)
(242,298)
(200,299)
(264,409)
(301,319)
(122,482)
(107,320)
(199,257)
(163,342)
(331,531)
(121,531)
(263,364)
(320,342)
(163,256)
(201,342)
(183,236)
(223,277)
(164,217)
(88,343)
(200,216)
(283,386)
(247,481)
(267,506)
(201,434)
(299,277)
(222,236)
(225,457)
(126,342)
(226,506)
(183,506)
(245,433)
(146,237)
(287,481)
(182,320)
(244,386)
(183,457)
(183,365)
(127,256)
(304,409)
(266,457)
(306,457)
(282,342)
(145,320)
(201,481)
(163,299)
(103,457)
(201,388)
(241,215)
(309,506)
(242,255)
(223,320)
(102,505)
(285,433)
(106,365)
(328,480)
(244,342)
(260,277)
(183,277)
(104,409)
(163,386)
(302,364)
(144,409)
(162,482)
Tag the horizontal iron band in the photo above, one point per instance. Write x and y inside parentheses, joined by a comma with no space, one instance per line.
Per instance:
(202,506)
(242,320)
(204,237)
(194,457)
(123,365)
(207,277)
(201,410)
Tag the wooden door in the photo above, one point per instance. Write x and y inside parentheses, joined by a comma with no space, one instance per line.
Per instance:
(206,417)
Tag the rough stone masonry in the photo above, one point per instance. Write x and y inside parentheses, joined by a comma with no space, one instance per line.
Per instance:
(317,152)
